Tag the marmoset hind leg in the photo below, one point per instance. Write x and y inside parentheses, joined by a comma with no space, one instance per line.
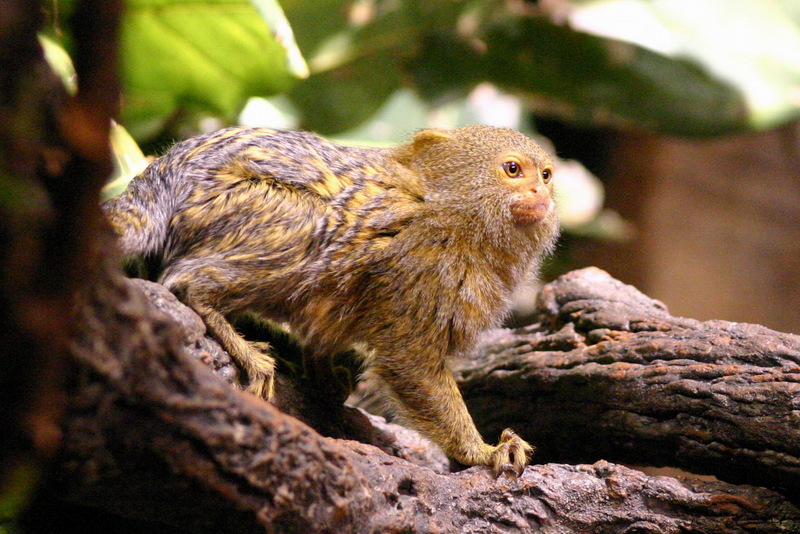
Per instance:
(260,366)
(430,400)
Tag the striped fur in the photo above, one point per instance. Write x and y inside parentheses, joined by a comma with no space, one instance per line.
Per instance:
(411,251)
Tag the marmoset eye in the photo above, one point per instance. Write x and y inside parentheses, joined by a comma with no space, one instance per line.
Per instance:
(513,169)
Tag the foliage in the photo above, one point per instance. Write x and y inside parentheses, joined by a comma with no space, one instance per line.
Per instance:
(698,86)
(128,161)
(381,68)
(198,56)
(753,46)
(209,55)
(689,67)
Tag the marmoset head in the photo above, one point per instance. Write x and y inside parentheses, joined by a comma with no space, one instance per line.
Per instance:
(493,172)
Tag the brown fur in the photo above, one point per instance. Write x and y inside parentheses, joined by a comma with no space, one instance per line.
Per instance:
(411,251)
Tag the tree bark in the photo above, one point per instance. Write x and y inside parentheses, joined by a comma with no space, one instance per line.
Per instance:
(156,436)
(606,372)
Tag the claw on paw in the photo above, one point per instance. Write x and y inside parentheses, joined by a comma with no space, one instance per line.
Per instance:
(262,386)
(511,454)
(261,371)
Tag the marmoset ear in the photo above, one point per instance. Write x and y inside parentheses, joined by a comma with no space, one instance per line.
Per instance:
(424,138)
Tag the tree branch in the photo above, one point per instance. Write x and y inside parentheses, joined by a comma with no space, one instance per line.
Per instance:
(606,372)
(155,435)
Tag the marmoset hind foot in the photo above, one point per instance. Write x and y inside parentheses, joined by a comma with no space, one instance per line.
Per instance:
(410,252)
(261,375)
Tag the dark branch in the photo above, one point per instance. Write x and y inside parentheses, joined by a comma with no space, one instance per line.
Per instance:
(156,436)
(608,373)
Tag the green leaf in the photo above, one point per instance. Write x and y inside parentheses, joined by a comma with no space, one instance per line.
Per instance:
(128,161)
(751,46)
(360,53)
(590,79)
(314,22)
(340,99)
(60,62)
(272,13)
(202,55)
(355,69)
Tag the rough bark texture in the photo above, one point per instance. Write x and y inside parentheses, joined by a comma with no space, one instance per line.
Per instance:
(608,373)
(153,435)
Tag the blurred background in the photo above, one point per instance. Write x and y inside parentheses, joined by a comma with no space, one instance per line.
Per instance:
(675,121)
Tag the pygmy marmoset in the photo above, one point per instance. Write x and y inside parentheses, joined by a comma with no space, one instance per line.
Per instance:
(412,251)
